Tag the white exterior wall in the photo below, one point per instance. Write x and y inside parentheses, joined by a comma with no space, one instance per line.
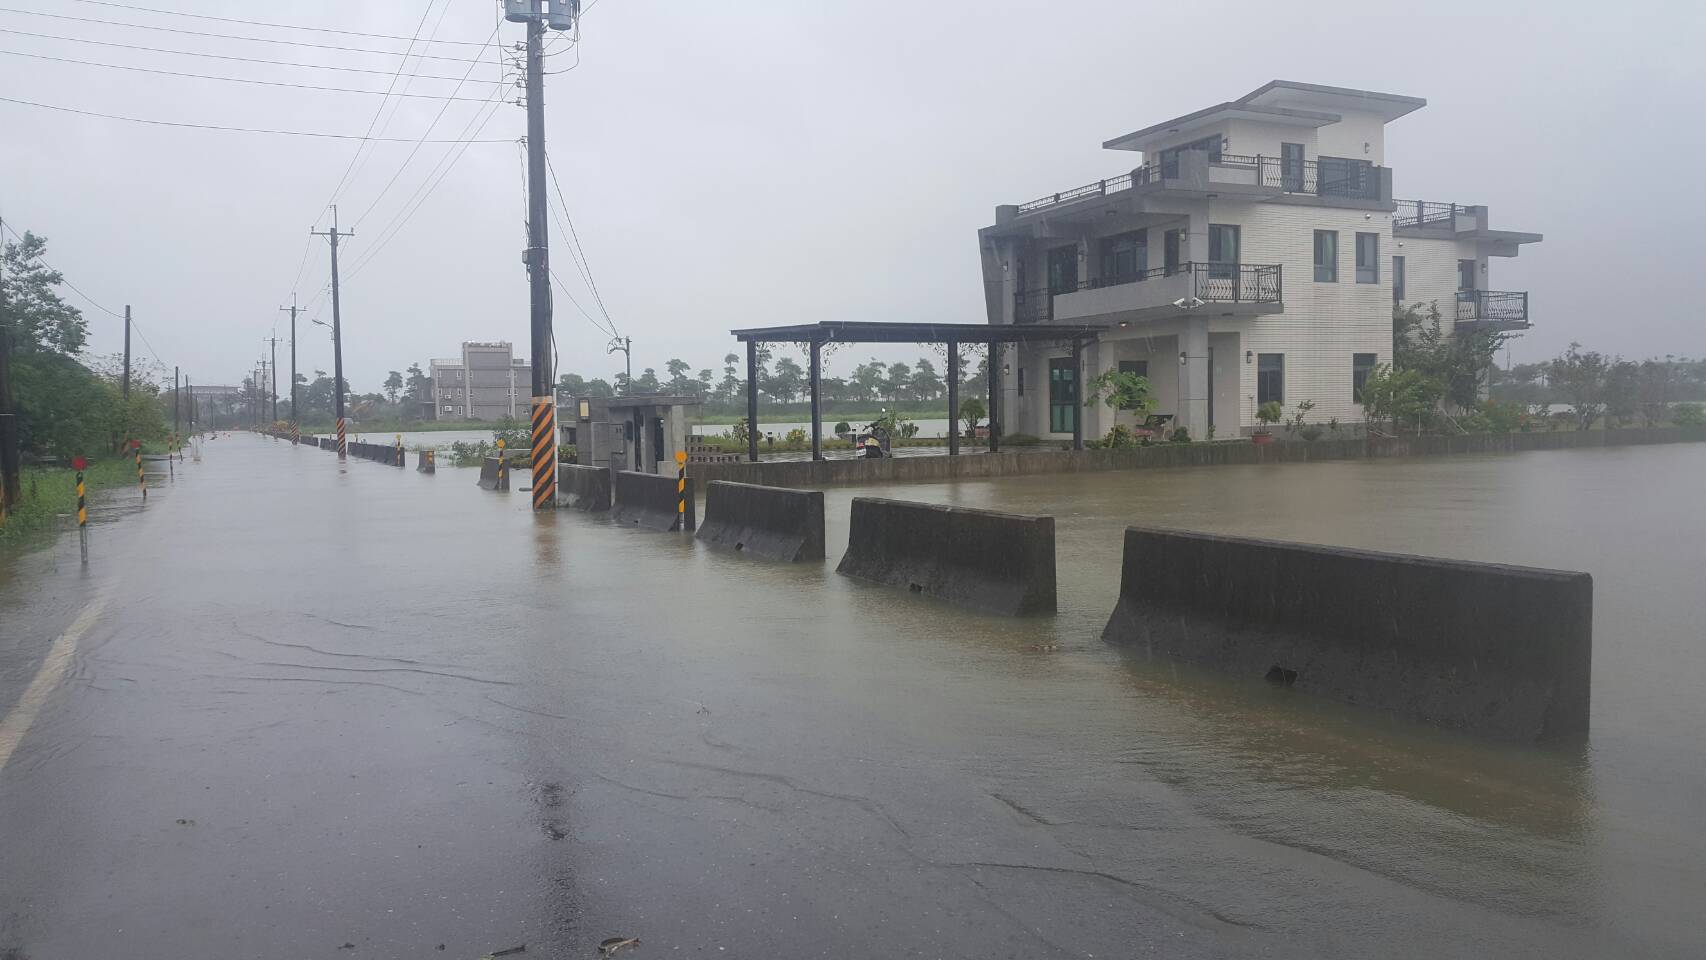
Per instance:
(1323,323)
(1252,138)
(1430,274)
(1346,138)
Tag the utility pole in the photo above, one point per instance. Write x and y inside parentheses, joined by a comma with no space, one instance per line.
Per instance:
(274,342)
(177,405)
(337,333)
(191,391)
(626,345)
(544,421)
(10,490)
(126,387)
(295,418)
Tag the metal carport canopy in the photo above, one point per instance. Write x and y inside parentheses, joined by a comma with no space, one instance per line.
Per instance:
(861,331)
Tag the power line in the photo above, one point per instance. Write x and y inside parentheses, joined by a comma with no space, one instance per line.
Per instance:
(206,76)
(92,301)
(424,134)
(589,317)
(218,56)
(397,225)
(229,36)
(591,282)
(229,129)
(377,113)
(260,23)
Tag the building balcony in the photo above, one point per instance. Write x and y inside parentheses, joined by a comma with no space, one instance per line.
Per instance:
(1485,310)
(1234,289)
(1198,171)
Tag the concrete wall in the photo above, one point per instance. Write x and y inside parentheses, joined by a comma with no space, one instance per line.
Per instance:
(775,523)
(492,477)
(1025,462)
(650,501)
(1495,650)
(997,562)
(1430,273)
(584,488)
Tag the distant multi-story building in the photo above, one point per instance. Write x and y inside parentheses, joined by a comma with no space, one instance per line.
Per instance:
(488,382)
(1255,254)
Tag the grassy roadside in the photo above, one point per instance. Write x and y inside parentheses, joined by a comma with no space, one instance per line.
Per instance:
(50,491)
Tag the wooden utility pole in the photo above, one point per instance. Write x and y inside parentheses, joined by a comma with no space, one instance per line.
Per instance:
(295,416)
(10,490)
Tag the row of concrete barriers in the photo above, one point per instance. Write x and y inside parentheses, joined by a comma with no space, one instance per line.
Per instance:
(1490,649)
(377,452)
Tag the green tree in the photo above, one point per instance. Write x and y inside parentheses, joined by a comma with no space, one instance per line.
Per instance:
(680,383)
(1622,391)
(972,411)
(926,383)
(1399,399)
(1120,390)
(899,382)
(1579,377)
(647,382)
(786,383)
(393,386)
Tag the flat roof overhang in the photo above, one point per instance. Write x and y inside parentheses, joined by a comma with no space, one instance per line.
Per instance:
(1231,110)
(863,331)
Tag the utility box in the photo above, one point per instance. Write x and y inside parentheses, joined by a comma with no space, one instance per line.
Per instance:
(518,11)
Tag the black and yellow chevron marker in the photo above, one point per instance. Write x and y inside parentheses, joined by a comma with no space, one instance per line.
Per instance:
(502,466)
(544,453)
(141,481)
(343,440)
(680,490)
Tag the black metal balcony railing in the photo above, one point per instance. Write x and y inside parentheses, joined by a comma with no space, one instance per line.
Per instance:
(1322,178)
(1499,306)
(1330,178)
(1210,282)
(1424,213)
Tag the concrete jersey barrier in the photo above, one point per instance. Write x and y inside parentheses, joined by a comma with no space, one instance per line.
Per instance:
(998,562)
(1500,651)
(584,488)
(649,500)
(772,522)
(490,476)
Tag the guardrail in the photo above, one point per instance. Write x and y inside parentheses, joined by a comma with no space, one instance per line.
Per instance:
(1500,306)
(1426,213)
(1212,281)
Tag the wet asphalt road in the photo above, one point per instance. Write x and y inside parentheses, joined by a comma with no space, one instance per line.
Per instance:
(324,711)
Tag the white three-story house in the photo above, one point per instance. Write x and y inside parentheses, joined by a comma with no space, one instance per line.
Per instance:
(1255,254)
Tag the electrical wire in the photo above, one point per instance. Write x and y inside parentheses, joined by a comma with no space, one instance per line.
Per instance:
(92,301)
(259,23)
(591,282)
(429,189)
(426,133)
(228,36)
(589,317)
(229,129)
(206,76)
(366,135)
(218,56)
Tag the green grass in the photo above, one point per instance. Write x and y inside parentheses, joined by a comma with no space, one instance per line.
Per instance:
(50,491)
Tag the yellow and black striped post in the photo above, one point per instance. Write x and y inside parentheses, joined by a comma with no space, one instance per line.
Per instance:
(343,440)
(82,510)
(544,453)
(502,466)
(141,481)
(681,490)
(397,452)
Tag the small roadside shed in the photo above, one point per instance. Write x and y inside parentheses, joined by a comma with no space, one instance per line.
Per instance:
(815,335)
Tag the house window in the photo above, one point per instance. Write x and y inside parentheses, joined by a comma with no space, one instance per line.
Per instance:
(1137,368)
(1361,365)
(1222,251)
(1291,167)
(1270,378)
(1326,256)
(1368,258)
(1397,279)
(1465,274)
(1062,395)
(1125,257)
(449,409)
(1170,243)
(1021,381)
(1063,269)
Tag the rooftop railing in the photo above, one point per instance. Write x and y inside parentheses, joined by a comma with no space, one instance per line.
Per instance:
(1425,213)
(1210,282)
(1498,306)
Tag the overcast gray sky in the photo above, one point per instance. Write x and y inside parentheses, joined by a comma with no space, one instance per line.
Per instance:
(747,163)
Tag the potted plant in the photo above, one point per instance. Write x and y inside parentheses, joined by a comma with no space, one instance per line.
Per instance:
(842,429)
(972,411)
(1269,414)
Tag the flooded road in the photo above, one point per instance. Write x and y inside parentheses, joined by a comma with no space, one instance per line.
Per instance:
(321,706)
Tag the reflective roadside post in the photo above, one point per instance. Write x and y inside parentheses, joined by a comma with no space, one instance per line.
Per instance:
(80,464)
(141,481)
(681,491)
(501,485)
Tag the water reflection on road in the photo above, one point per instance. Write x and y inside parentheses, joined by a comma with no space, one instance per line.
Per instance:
(454,721)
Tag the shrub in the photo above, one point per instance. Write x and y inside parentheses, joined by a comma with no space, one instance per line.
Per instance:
(796,435)
(1269,413)
(1119,437)
(1503,417)
(843,428)
(1180,435)
(1689,415)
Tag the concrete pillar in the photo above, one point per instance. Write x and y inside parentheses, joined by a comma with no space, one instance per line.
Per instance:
(1007,253)
(1193,377)
(953,398)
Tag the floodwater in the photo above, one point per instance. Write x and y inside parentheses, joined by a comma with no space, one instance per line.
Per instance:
(327,705)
